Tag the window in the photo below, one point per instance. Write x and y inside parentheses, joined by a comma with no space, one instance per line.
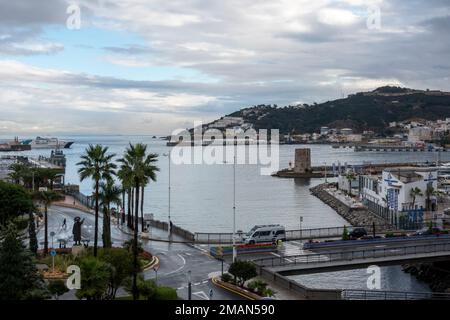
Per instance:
(280,232)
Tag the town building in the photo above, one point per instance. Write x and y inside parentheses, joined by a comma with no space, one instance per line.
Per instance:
(391,195)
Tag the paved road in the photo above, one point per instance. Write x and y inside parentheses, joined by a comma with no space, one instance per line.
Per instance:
(175,259)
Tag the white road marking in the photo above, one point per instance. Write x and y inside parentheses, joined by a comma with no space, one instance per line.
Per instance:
(276,254)
(175,271)
(202,295)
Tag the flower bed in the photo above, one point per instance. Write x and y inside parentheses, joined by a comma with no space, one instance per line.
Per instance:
(242,248)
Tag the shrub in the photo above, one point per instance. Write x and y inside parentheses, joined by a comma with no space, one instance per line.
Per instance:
(389,235)
(257,286)
(165,293)
(147,289)
(242,271)
(21,222)
(95,276)
(269,292)
(345,234)
(57,288)
(226,277)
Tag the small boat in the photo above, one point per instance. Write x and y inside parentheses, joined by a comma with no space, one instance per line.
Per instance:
(49,143)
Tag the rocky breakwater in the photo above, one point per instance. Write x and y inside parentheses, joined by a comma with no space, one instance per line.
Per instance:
(355,216)
(436,275)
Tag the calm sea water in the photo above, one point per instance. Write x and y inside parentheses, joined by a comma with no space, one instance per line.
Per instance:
(202,196)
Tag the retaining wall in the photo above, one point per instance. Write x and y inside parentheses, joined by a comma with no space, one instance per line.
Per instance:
(356,217)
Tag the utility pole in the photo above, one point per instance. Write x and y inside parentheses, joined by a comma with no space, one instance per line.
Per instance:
(189,286)
(234,209)
(169,157)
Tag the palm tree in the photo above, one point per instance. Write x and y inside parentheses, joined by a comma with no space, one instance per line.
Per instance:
(98,165)
(141,167)
(19,171)
(150,176)
(109,194)
(350,177)
(127,185)
(429,192)
(415,192)
(46,198)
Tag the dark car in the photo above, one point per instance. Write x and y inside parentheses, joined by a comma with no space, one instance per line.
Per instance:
(358,233)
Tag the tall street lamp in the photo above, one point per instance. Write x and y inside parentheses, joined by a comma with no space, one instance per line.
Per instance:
(234,210)
(189,285)
(168,155)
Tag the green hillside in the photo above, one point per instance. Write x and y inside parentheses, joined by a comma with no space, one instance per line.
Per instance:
(362,111)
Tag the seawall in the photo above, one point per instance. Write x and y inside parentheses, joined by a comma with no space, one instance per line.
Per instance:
(356,217)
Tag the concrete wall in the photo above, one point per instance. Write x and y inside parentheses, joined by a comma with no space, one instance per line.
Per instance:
(302,291)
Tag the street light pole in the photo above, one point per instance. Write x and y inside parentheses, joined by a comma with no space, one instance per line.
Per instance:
(234,210)
(169,157)
(189,286)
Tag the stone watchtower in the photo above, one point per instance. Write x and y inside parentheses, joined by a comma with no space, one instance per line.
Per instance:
(302,161)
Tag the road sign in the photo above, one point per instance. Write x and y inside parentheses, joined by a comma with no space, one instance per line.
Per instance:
(52,234)
(53,253)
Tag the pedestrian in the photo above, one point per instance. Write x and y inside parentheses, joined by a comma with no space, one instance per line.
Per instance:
(64,225)
(170,226)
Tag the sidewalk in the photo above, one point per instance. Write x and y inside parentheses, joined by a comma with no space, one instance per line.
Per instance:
(154,234)
(71,202)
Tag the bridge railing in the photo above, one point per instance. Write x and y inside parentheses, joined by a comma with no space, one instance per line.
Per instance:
(351,294)
(363,254)
(303,234)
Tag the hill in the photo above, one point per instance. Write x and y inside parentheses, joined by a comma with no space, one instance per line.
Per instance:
(362,111)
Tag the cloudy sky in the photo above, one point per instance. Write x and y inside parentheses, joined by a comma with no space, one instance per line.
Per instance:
(150,66)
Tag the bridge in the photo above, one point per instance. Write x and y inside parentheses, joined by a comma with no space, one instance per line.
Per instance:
(292,235)
(353,259)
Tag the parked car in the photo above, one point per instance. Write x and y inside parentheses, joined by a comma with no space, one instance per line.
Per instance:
(358,233)
(268,233)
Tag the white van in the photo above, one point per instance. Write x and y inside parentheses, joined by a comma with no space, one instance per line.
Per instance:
(268,233)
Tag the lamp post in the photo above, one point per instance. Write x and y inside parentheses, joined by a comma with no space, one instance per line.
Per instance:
(301,232)
(189,285)
(169,158)
(234,210)
(156,275)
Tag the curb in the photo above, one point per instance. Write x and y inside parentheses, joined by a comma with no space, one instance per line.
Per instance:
(241,292)
(153,264)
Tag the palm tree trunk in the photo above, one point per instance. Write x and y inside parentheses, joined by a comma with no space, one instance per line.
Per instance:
(106,227)
(132,208)
(96,218)
(123,206)
(135,245)
(142,208)
(46,230)
(129,208)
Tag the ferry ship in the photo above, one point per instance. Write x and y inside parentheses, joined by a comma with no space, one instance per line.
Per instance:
(48,143)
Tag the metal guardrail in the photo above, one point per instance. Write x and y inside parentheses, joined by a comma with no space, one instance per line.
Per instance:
(303,234)
(87,201)
(351,294)
(354,255)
